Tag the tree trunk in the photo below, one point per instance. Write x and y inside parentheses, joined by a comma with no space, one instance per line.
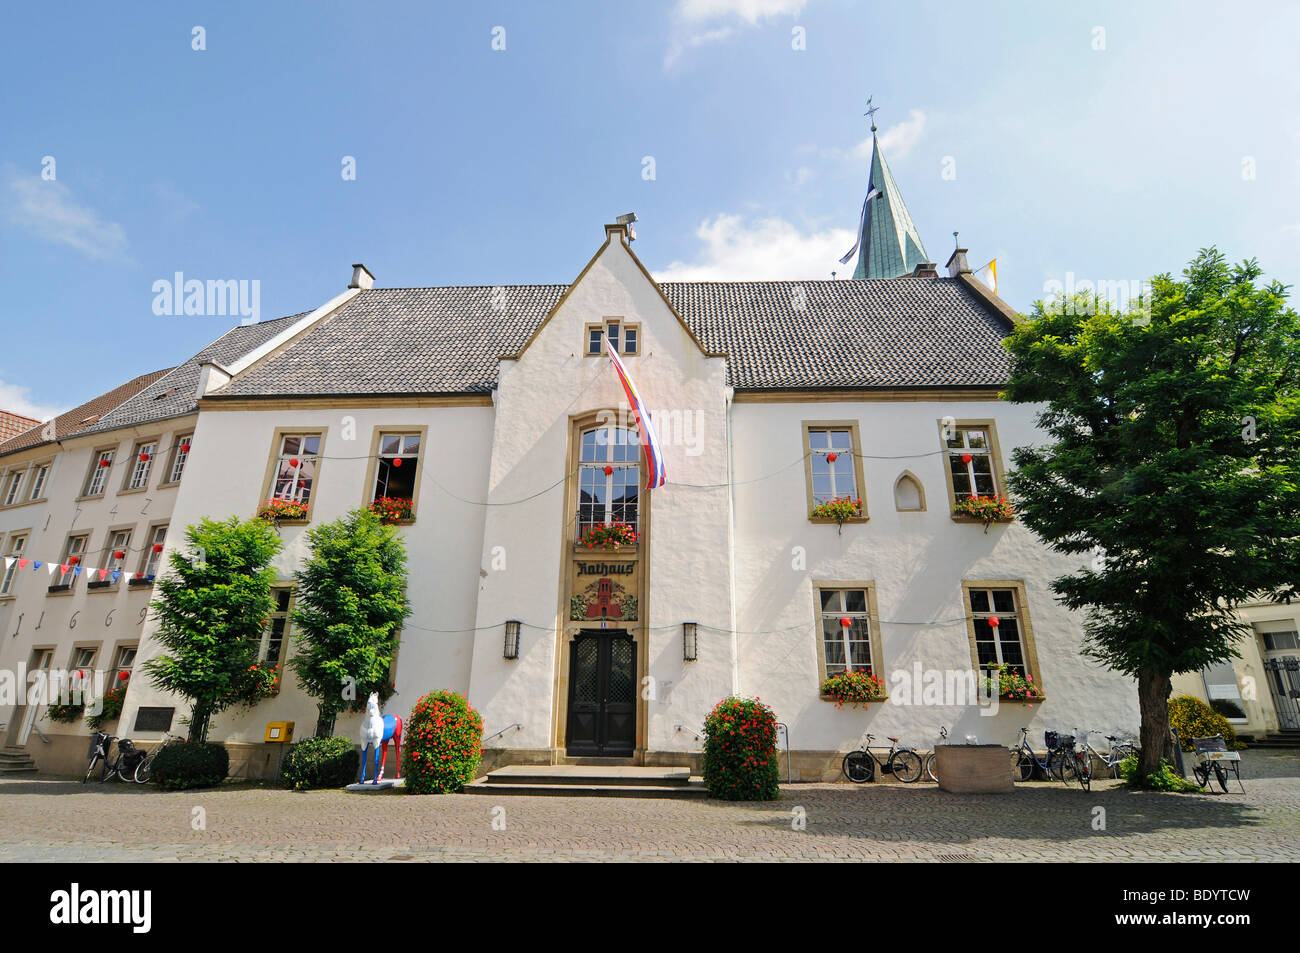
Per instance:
(200,718)
(1154,686)
(325,719)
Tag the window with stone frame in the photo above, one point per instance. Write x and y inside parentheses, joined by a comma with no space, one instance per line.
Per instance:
(972,470)
(846,647)
(397,466)
(73,553)
(180,454)
(17,543)
(13,483)
(295,467)
(116,551)
(39,478)
(1000,642)
(609,478)
(141,465)
(100,463)
(279,625)
(153,552)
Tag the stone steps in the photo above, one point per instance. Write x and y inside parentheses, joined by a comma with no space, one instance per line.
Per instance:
(585,780)
(16,761)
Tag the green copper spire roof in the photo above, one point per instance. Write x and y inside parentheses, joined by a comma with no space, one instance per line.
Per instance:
(888,244)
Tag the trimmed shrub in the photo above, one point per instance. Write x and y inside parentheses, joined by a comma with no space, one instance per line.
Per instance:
(320,763)
(193,764)
(740,762)
(1192,718)
(443,741)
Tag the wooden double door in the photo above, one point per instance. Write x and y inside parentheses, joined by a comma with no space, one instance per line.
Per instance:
(602,694)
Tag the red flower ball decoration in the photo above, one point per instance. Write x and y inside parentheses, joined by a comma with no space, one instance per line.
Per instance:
(157,548)
(993,622)
(118,554)
(105,462)
(144,458)
(80,674)
(832,457)
(185,448)
(123,676)
(966,458)
(608,471)
(293,462)
(73,560)
(397,462)
(846,622)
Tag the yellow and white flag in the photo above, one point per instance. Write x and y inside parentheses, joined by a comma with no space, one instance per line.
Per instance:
(989,275)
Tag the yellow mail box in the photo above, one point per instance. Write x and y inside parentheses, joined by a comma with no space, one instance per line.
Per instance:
(279,732)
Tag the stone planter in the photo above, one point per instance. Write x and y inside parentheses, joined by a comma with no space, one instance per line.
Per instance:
(974,769)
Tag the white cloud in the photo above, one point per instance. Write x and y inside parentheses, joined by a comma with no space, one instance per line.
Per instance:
(17,399)
(697,23)
(48,210)
(769,249)
(898,140)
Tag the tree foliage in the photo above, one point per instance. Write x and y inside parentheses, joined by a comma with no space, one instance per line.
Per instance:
(349,608)
(1173,465)
(212,608)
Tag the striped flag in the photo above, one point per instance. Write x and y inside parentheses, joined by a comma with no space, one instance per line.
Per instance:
(989,275)
(649,439)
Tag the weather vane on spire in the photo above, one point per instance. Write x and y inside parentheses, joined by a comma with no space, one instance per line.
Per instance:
(871,113)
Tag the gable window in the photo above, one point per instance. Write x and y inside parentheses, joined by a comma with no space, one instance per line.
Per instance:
(609,478)
(16,546)
(624,338)
(833,464)
(295,467)
(846,648)
(141,465)
(972,469)
(101,462)
(38,482)
(397,466)
(180,453)
(153,552)
(72,554)
(13,482)
(1009,640)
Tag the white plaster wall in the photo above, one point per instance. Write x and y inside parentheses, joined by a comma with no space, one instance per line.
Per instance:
(102,618)
(226,477)
(688,543)
(917,561)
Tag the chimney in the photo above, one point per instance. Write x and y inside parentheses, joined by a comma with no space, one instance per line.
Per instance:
(361,277)
(957,263)
(926,269)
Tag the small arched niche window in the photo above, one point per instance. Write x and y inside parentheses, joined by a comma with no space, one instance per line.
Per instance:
(909,495)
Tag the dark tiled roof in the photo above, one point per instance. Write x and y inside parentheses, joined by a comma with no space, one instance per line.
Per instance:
(176,393)
(900,332)
(84,416)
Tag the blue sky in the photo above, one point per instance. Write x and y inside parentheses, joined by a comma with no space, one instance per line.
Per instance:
(1109,141)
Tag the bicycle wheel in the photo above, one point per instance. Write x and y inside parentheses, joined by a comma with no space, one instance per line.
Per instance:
(1022,765)
(1083,769)
(1222,776)
(906,766)
(1202,774)
(1118,754)
(930,764)
(1066,770)
(111,772)
(144,771)
(858,767)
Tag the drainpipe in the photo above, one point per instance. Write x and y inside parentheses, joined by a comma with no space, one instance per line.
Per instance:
(731,544)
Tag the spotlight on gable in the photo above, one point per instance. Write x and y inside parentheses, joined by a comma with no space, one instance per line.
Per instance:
(627,220)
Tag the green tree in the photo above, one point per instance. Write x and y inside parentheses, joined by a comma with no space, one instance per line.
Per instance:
(212,610)
(349,609)
(1173,465)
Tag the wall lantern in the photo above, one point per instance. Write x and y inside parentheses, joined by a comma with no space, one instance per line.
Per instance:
(690,641)
(512,639)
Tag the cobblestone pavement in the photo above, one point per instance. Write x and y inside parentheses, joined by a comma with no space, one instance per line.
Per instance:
(58,820)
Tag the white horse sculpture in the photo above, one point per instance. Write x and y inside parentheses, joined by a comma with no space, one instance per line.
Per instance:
(376,731)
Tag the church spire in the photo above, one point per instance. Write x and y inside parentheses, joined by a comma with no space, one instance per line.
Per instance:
(888,243)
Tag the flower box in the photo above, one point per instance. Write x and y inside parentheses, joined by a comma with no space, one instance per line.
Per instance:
(1011,686)
(393,510)
(283,511)
(841,510)
(859,687)
(610,537)
(984,509)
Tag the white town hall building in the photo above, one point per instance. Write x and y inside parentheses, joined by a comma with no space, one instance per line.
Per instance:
(513,435)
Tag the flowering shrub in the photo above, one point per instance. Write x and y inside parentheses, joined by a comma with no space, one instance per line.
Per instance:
(740,761)
(65,714)
(1011,684)
(443,740)
(1192,718)
(392,509)
(263,682)
(838,509)
(611,536)
(276,511)
(111,709)
(854,688)
(986,509)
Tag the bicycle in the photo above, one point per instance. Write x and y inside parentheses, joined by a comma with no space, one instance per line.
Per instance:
(1119,750)
(1056,765)
(144,770)
(931,761)
(124,766)
(900,760)
(100,744)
